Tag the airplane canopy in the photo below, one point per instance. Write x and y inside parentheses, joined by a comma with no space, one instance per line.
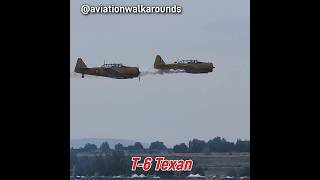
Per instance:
(112,65)
(188,61)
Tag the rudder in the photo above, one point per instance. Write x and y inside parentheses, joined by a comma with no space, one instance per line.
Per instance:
(80,64)
(158,62)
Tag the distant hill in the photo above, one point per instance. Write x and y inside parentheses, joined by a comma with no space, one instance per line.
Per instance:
(77,143)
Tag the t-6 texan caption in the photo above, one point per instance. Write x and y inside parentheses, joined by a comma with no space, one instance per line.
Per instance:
(162,164)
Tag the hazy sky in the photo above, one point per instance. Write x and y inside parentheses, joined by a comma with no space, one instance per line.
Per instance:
(172,108)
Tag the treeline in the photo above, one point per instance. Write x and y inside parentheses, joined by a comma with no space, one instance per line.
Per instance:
(216,144)
(108,165)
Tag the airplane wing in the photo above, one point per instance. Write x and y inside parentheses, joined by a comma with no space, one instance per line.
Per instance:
(116,74)
(192,69)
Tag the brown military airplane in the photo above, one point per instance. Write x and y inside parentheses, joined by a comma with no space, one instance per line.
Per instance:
(189,66)
(117,71)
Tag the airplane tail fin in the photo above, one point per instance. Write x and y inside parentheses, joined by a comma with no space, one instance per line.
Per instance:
(80,64)
(158,62)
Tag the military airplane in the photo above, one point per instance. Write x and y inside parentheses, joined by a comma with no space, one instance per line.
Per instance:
(117,71)
(189,66)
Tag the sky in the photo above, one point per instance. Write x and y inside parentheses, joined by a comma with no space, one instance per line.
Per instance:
(172,108)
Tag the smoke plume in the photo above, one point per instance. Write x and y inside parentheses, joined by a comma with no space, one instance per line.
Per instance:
(159,72)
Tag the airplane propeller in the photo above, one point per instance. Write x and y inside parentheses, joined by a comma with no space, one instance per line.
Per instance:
(139,72)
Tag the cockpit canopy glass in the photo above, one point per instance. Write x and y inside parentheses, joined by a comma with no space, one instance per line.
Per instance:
(112,65)
(188,61)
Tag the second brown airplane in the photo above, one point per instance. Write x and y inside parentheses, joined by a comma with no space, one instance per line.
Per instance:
(189,66)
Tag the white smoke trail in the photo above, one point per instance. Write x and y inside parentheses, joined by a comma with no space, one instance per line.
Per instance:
(159,72)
